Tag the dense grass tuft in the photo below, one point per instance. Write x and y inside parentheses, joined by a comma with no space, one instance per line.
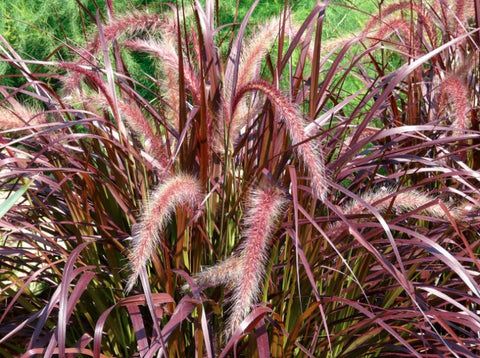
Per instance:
(266,190)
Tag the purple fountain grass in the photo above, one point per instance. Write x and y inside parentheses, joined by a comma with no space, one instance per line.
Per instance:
(166,51)
(178,190)
(394,8)
(228,272)
(265,206)
(244,271)
(361,283)
(20,117)
(387,198)
(393,26)
(140,125)
(126,25)
(306,147)
(454,90)
(249,66)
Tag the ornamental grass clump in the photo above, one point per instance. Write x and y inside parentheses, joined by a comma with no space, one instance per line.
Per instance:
(188,184)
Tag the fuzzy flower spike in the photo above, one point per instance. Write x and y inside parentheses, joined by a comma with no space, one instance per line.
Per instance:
(306,147)
(178,190)
(265,206)
(244,271)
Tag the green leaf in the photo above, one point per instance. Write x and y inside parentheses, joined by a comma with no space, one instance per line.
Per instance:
(12,199)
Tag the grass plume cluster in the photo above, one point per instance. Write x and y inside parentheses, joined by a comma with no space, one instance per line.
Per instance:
(261,190)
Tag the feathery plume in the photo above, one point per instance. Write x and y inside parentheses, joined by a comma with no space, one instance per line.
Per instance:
(393,26)
(230,123)
(254,50)
(456,91)
(249,70)
(19,117)
(98,81)
(460,13)
(139,124)
(178,190)
(166,50)
(307,149)
(388,198)
(244,271)
(226,272)
(127,25)
(142,127)
(402,202)
(264,208)
(417,9)
(252,55)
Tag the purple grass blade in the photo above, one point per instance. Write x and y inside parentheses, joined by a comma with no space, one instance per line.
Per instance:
(465,311)
(84,340)
(299,251)
(184,308)
(26,322)
(44,314)
(56,297)
(76,351)
(68,275)
(139,329)
(151,307)
(232,66)
(79,288)
(396,77)
(132,304)
(312,16)
(196,294)
(445,256)
(16,58)
(97,337)
(263,345)
(30,279)
(298,246)
(401,275)
(382,323)
(249,323)
(212,58)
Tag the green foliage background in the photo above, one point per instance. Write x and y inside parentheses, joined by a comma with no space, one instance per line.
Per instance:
(37,28)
